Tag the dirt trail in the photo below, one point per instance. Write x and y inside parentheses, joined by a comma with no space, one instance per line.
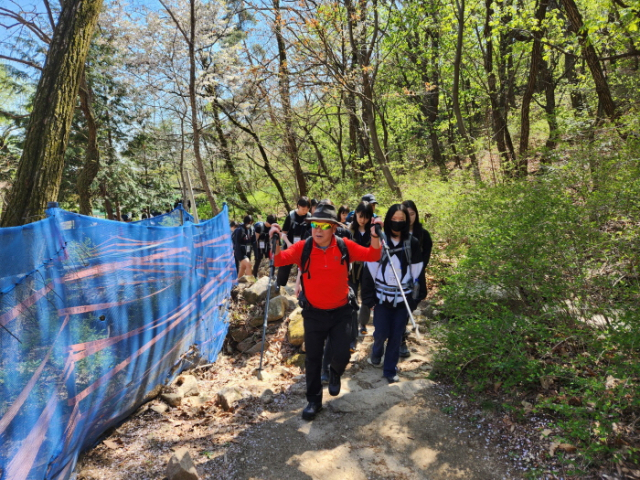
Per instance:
(372,430)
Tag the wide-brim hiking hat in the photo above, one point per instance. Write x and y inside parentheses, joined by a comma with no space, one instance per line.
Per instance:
(324,213)
(369,197)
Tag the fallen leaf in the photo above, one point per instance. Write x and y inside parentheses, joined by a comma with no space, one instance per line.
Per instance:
(575,401)
(113,444)
(611,382)
(546,432)
(567,447)
(528,407)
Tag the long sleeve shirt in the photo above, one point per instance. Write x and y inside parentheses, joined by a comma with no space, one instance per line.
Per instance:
(326,286)
(379,282)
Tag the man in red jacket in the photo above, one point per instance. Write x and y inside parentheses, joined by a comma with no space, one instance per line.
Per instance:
(327,311)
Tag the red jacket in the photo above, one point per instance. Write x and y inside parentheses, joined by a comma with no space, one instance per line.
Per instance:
(328,287)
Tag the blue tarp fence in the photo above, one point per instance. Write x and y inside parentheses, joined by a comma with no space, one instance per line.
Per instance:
(93,315)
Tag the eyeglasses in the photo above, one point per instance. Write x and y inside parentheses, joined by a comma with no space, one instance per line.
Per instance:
(321,226)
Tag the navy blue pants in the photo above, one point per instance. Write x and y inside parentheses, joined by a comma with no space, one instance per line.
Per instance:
(390,323)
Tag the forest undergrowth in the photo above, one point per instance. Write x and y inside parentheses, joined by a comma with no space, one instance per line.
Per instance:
(539,297)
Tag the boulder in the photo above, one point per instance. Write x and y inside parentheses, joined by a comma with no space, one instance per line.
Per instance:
(257,348)
(246,344)
(296,328)
(277,308)
(181,466)
(267,396)
(257,292)
(159,408)
(256,321)
(239,334)
(297,360)
(292,302)
(187,385)
(289,291)
(172,399)
(227,397)
(247,279)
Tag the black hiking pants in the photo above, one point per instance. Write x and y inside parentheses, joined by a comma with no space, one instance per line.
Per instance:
(319,325)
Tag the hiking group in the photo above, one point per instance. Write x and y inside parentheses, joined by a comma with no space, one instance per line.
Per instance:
(338,254)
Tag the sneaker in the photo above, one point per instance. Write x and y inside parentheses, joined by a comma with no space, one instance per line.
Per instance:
(352,347)
(404,350)
(363,330)
(393,379)
(311,410)
(324,378)
(334,383)
(376,362)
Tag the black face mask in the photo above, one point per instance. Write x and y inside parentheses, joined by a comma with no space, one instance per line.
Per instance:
(398,226)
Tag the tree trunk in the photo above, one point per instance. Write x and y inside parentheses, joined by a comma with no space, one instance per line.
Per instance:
(194,111)
(283,83)
(576,25)
(263,154)
(40,169)
(536,60)
(226,154)
(369,115)
(456,93)
(546,79)
(92,158)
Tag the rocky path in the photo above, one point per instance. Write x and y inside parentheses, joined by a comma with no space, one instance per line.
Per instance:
(235,426)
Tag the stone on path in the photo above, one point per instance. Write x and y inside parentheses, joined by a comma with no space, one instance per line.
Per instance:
(187,385)
(239,334)
(159,408)
(247,279)
(172,399)
(246,344)
(384,396)
(181,466)
(227,396)
(257,348)
(296,328)
(257,292)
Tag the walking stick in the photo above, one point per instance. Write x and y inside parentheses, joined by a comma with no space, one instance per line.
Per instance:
(395,274)
(272,268)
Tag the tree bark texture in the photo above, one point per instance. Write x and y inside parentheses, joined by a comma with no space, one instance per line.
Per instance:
(285,95)
(194,111)
(455,94)
(576,25)
(496,98)
(226,153)
(92,157)
(40,169)
(536,61)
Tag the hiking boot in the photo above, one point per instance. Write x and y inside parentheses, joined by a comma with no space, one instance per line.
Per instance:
(311,410)
(352,347)
(324,378)
(376,362)
(363,330)
(334,383)
(393,379)
(404,350)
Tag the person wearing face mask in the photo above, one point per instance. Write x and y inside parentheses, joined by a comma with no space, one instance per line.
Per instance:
(426,244)
(381,292)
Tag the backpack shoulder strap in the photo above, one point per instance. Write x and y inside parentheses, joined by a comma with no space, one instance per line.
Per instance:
(306,257)
(407,250)
(343,250)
